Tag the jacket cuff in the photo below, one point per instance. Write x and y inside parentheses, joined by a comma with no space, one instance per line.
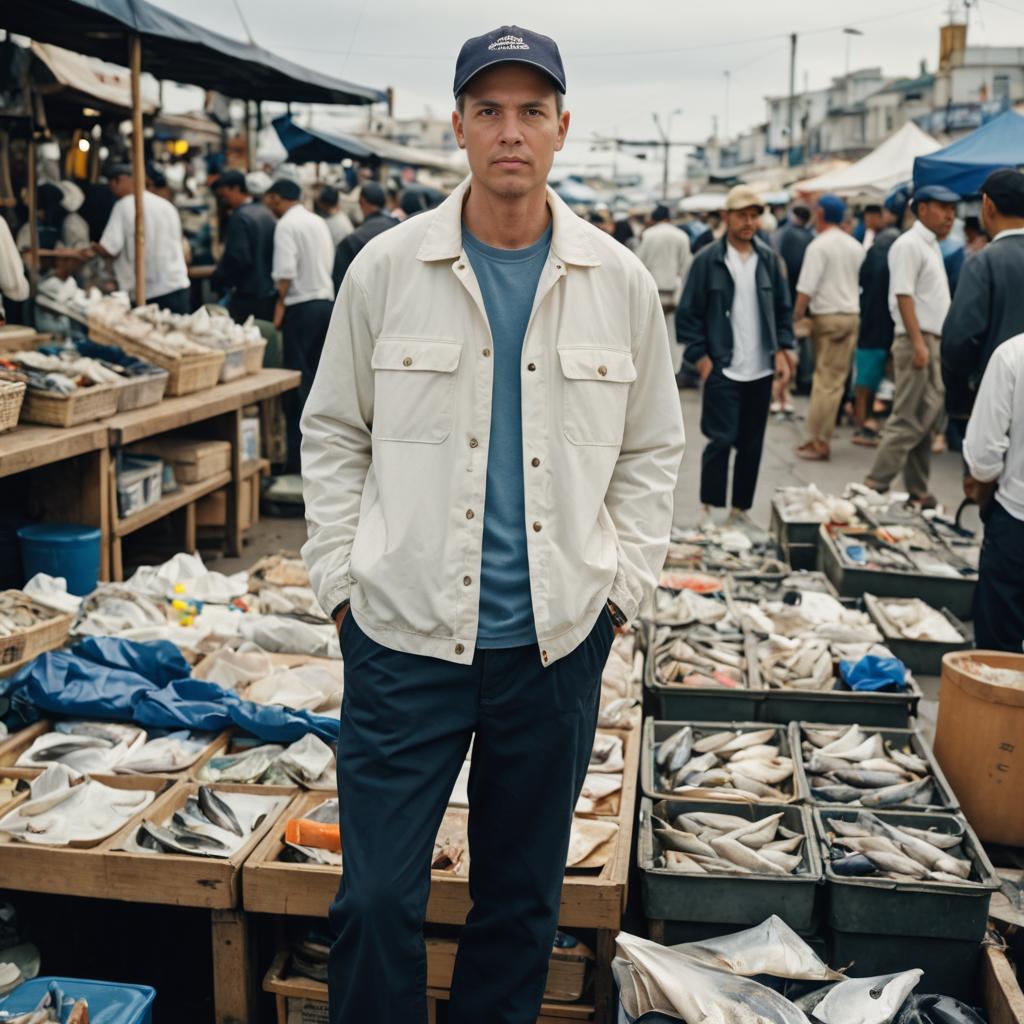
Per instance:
(334,596)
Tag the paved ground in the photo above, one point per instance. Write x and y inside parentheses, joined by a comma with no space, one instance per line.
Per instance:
(780,466)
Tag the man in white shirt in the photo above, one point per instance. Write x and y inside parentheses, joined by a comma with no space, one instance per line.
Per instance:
(918,303)
(994,453)
(665,252)
(13,282)
(166,275)
(328,205)
(829,287)
(303,261)
(735,321)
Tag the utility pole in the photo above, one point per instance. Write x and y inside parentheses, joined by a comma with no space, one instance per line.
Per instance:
(727,84)
(792,100)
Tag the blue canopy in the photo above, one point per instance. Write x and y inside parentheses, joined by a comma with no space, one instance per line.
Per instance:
(964,165)
(312,145)
(176,49)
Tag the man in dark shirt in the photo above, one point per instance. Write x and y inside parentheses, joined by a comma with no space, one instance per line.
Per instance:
(372,200)
(988,306)
(876,327)
(792,242)
(244,267)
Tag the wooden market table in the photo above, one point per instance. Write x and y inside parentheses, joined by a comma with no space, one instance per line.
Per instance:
(77,465)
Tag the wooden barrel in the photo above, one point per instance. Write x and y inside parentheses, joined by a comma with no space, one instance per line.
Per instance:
(979,743)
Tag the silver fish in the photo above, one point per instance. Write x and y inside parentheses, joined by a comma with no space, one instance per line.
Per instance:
(217,811)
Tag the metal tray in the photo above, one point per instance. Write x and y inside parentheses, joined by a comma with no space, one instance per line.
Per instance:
(921,656)
(729,899)
(917,744)
(927,910)
(656,731)
(956,594)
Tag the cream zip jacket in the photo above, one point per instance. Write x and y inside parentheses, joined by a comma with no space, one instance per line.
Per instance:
(396,427)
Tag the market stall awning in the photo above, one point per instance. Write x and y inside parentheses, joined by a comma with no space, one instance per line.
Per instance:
(176,49)
(964,165)
(882,169)
(92,79)
(313,145)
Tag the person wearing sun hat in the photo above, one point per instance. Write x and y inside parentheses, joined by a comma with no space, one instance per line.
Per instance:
(489,455)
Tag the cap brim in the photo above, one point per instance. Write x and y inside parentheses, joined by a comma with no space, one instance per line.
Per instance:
(460,86)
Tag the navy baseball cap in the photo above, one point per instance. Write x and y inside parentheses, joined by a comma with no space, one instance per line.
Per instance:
(935,194)
(833,208)
(506,44)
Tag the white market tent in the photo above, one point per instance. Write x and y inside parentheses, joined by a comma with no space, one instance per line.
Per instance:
(881,170)
(703,202)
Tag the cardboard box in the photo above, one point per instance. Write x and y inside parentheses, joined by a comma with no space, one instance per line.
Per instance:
(193,460)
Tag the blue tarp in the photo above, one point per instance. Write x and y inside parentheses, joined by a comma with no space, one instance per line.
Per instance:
(964,165)
(177,49)
(874,674)
(312,145)
(149,684)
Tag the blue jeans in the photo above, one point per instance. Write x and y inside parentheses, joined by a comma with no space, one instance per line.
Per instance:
(406,725)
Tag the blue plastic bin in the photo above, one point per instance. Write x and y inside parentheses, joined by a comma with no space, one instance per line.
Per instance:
(109,1002)
(62,549)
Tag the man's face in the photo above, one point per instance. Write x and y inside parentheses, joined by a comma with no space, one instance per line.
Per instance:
(988,215)
(510,129)
(230,197)
(873,220)
(937,217)
(742,225)
(275,202)
(121,185)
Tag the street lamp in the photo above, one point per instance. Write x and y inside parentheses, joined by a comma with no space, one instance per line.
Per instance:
(848,32)
(666,138)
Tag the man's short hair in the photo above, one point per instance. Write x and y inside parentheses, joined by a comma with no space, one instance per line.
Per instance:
(872,208)
(801,213)
(119,170)
(1005,188)
(286,189)
(660,213)
(329,196)
(230,179)
(460,101)
(372,194)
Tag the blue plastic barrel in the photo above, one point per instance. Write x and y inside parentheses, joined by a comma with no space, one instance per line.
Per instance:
(62,549)
(109,1002)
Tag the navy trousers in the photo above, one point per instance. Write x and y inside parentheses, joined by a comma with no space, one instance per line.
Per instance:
(999,597)
(406,725)
(304,331)
(734,415)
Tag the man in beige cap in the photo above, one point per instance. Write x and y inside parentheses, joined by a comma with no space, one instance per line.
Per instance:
(735,324)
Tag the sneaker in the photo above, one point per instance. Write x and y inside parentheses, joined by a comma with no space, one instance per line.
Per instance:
(867,437)
(775,408)
(740,517)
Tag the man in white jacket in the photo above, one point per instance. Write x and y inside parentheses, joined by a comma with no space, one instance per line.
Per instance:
(665,252)
(489,454)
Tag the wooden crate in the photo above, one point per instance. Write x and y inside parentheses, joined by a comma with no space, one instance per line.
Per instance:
(1003,998)
(9,801)
(179,879)
(44,636)
(82,406)
(67,871)
(212,510)
(17,743)
(193,459)
(273,886)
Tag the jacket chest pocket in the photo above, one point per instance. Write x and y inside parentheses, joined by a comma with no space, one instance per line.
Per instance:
(595,392)
(414,389)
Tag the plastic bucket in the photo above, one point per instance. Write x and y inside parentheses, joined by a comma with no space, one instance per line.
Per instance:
(62,549)
(979,741)
(109,1002)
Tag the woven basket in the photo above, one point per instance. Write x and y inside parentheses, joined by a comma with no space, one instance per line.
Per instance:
(254,353)
(45,636)
(187,373)
(85,405)
(12,394)
(140,392)
(234,363)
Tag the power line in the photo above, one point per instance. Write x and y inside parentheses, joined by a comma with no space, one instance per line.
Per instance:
(245,24)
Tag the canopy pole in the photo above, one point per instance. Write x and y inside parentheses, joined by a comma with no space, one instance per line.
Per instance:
(33,201)
(138,167)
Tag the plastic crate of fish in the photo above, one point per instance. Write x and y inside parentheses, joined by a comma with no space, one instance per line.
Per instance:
(892,901)
(853,561)
(904,625)
(724,891)
(720,691)
(722,550)
(788,530)
(872,769)
(108,1002)
(726,756)
(842,706)
(759,588)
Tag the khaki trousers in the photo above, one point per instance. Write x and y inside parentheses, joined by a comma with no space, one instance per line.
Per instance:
(916,410)
(833,339)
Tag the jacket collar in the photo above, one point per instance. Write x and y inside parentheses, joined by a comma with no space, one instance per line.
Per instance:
(443,239)
(721,248)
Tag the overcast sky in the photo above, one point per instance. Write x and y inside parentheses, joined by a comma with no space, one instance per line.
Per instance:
(639,57)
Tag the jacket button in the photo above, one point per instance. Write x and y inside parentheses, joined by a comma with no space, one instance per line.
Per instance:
(466,580)
(459,649)
(531,367)
(537,527)
(407,361)
(460,266)
(603,370)
(474,443)
(486,352)
(544,655)
(470,513)
(535,462)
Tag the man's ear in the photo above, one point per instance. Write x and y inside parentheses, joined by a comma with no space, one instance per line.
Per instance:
(457,127)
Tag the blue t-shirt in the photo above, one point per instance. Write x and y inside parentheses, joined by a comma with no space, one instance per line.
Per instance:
(508,280)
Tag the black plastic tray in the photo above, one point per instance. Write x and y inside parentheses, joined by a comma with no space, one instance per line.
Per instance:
(921,656)
(655,731)
(838,707)
(917,744)
(926,910)
(729,899)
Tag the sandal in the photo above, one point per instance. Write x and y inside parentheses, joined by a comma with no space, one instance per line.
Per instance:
(814,451)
